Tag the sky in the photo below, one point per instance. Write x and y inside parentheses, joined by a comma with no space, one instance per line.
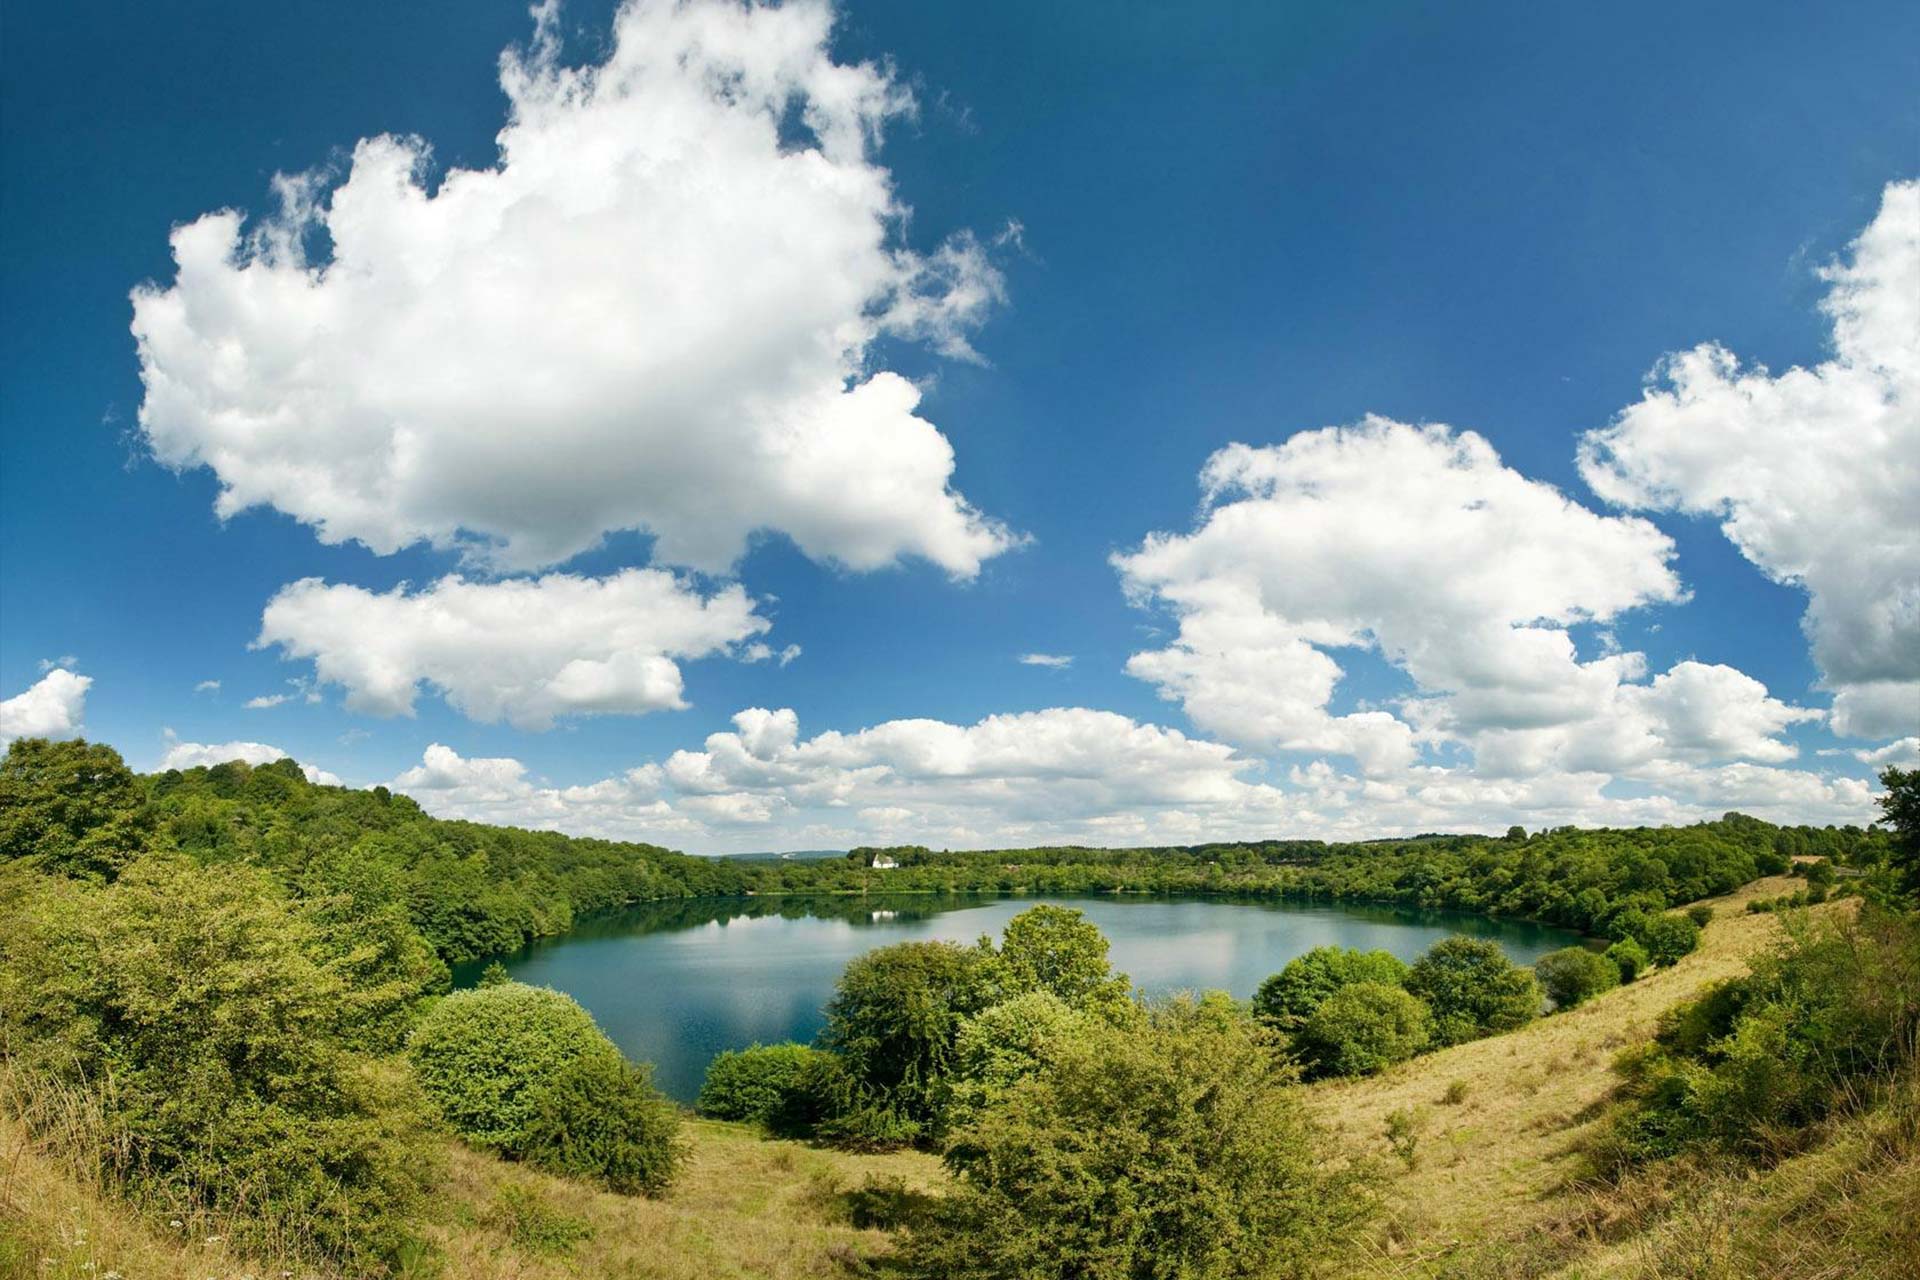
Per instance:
(801,426)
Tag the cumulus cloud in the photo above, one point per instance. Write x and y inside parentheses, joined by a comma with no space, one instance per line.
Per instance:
(1065,775)
(1902,754)
(51,708)
(1057,661)
(207,686)
(1814,473)
(193,755)
(1414,542)
(267,701)
(656,311)
(522,650)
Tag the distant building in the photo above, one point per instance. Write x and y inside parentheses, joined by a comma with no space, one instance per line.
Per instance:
(881,862)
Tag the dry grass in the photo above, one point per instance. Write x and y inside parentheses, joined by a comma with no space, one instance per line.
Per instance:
(746,1207)
(1494,1190)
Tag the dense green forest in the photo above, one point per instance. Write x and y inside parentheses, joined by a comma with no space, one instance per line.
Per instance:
(225,991)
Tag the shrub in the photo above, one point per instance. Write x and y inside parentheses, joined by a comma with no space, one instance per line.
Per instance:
(194,1008)
(894,1018)
(524,1071)
(1701,914)
(73,805)
(1574,974)
(1290,996)
(1059,951)
(1000,1046)
(755,1084)
(1629,957)
(1363,1028)
(601,1119)
(1669,937)
(1176,1148)
(1473,990)
(533,1225)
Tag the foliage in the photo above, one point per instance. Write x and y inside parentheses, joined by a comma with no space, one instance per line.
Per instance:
(1901,805)
(1574,974)
(1750,1064)
(1629,957)
(213,1025)
(1059,951)
(1701,914)
(1176,1148)
(601,1119)
(1669,937)
(1473,990)
(533,1225)
(523,1071)
(1004,1044)
(73,805)
(757,1084)
(1290,996)
(1363,1028)
(893,1020)
(1403,1135)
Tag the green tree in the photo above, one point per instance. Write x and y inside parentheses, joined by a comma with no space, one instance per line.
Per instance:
(601,1119)
(1473,990)
(1362,1028)
(756,1084)
(1901,806)
(1669,937)
(1629,957)
(1575,974)
(74,804)
(205,1018)
(1290,996)
(1003,1045)
(1176,1148)
(895,1015)
(1058,950)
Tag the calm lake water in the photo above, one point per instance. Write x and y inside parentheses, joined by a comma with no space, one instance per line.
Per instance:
(676,982)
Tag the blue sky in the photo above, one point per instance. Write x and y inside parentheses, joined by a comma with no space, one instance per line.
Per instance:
(1104,242)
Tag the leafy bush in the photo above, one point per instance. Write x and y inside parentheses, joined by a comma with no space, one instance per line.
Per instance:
(524,1071)
(756,1084)
(202,1014)
(1176,1148)
(74,805)
(1473,990)
(1290,996)
(1059,951)
(1669,937)
(534,1225)
(894,1019)
(1701,914)
(1000,1046)
(1574,974)
(1363,1028)
(1629,957)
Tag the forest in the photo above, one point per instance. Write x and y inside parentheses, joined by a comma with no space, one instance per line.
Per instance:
(226,992)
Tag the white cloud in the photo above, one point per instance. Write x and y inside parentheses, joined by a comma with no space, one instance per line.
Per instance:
(68,661)
(523,650)
(1415,542)
(267,701)
(657,311)
(1903,754)
(207,686)
(1054,660)
(51,708)
(1814,474)
(193,755)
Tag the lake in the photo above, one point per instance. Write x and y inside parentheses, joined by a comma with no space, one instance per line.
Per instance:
(676,982)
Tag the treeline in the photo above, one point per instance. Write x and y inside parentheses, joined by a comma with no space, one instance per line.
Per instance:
(1580,878)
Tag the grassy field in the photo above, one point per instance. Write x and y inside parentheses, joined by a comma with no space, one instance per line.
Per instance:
(1489,1187)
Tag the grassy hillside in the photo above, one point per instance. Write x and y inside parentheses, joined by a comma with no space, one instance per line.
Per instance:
(1492,1188)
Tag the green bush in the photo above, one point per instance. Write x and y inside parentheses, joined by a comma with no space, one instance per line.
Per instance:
(1574,974)
(1290,996)
(1000,1046)
(757,1084)
(1629,957)
(1176,1148)
(1669,937)
(199,1014)
(1701,914)
(1363,1028)
(1059,951)
(1473,990)
(523,1071)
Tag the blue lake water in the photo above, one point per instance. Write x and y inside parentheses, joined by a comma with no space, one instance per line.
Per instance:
(675,983)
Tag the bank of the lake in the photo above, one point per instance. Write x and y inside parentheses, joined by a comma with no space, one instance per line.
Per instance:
(676,982)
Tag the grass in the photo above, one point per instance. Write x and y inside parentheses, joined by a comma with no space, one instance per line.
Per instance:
(1477,1147)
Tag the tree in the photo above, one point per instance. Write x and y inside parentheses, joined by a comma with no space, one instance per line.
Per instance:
(601,1119)
(1669,937)
(1629,957)
(1575,974)
(1901,805)
(1003,1045)
(756,1084)
(1058,950)
(1289,997)
(895,1015)
(1473,990)
(1176,1148)
(74,804)
(1363,1028)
